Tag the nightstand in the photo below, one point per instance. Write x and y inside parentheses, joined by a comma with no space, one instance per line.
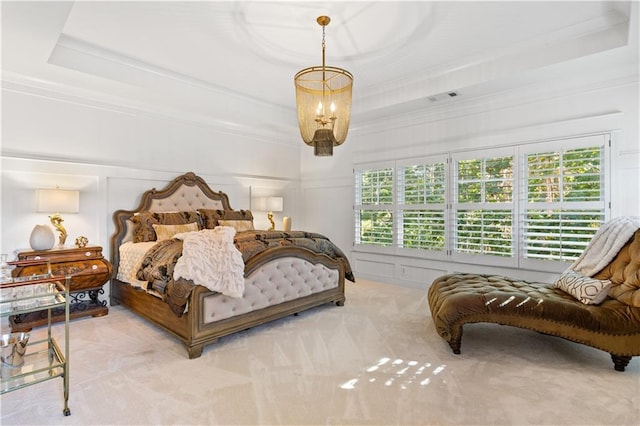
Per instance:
(89,271)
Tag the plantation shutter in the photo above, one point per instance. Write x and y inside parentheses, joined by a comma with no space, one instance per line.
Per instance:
(565,197)
(421,218)
(483,207)
(373,207)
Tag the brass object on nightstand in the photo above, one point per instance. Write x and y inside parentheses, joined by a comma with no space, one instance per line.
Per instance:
(56,221)
(82,241)
(273,224)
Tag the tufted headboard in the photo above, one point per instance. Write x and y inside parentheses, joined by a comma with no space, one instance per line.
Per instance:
(186,192)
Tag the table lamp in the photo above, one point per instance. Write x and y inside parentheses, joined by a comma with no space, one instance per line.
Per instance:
(58,201)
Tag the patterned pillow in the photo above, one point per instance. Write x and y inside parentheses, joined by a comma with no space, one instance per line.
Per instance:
(588,290)
(143,223)
(143,227)
(211,217)
(166,232)
(178,218)
(240,225)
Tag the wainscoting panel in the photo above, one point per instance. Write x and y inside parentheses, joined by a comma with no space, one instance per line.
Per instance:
(373,268)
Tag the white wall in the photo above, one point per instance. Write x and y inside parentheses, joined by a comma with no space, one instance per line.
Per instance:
(550,109)
(48,142)
(112,154)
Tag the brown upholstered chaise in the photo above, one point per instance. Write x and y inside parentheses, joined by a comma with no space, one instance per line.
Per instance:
(612,326)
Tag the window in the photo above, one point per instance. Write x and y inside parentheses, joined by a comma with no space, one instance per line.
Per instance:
(564,197)
(484,208)
(421,188)
(519,206)
(374,206)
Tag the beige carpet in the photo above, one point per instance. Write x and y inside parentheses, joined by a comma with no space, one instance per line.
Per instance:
(375,361)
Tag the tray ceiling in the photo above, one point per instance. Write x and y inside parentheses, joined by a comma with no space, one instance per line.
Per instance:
(232,63)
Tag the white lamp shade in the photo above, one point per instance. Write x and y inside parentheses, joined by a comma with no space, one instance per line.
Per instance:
(275,204)
(58,201)
(268,204)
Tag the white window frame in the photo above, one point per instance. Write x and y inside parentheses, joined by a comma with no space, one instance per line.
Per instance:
(518,205)
(357,207)
(479,258)
(566,144)
(401,207)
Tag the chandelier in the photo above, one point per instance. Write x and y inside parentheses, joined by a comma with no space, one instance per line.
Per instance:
(323,99)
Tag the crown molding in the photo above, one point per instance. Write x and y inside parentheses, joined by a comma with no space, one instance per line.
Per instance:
(468,104)
(73,53)
(61,92)
(604,33)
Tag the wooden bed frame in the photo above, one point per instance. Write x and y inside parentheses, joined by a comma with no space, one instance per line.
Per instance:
(191,328)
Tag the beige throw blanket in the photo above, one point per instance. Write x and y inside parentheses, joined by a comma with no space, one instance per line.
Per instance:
(605,245)
(210,258)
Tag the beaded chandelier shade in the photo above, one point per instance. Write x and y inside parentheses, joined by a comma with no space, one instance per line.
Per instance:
(323,99)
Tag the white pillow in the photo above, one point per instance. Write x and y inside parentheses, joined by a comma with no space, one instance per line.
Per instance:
(166,232)
(588,290)
(240,225)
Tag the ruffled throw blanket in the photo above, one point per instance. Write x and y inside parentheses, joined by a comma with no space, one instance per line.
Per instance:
(605,245)
(210,258)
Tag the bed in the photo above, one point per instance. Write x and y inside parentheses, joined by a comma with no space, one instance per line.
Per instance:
(283,273)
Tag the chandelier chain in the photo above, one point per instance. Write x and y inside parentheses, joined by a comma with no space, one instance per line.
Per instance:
(323,44)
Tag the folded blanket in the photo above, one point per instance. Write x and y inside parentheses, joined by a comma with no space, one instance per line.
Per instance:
(250,243)
(210,258)
(605,245)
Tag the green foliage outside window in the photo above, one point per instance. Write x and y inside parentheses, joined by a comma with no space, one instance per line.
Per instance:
(560,235)
(423,229)
(424,183)
(376,227)
(485,180)
(563,193)
(562,178)
(570,176)
(421,185)
(376,187)
(485,232)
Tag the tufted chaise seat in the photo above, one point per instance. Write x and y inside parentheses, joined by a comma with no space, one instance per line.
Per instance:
(612,326)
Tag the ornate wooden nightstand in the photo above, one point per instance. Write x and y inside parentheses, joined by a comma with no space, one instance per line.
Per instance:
(92,270)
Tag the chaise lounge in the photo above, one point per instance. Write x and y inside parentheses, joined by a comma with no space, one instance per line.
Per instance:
(612,325)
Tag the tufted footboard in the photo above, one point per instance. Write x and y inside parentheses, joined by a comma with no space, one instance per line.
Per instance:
(279,281)
(275,289)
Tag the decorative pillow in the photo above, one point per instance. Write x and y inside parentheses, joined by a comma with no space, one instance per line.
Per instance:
(166,232)
(211,217)
(178,218)
(143,227)
(588,290)
(240,225)
(143,223)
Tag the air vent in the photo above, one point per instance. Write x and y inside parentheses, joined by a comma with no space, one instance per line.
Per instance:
(441,96)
